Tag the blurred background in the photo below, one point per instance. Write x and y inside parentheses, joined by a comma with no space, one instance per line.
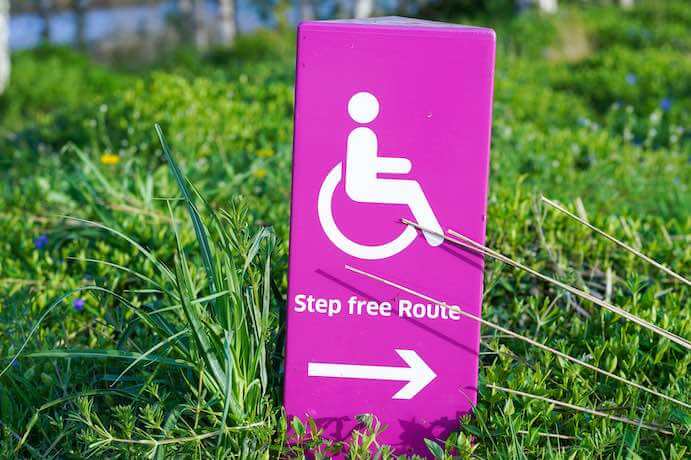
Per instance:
(144,27)
(106,22)
(81,68)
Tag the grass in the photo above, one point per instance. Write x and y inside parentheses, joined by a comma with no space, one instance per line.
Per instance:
(179,253)
(215,345)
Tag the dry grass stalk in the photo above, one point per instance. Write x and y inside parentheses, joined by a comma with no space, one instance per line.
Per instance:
(518,336)
(550,435)
(583,409)
(619,243)
(18,281)
(470,244)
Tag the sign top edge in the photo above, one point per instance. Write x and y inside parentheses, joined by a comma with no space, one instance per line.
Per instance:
(396,22)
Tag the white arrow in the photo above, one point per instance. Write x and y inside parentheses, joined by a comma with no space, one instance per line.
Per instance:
(418,374)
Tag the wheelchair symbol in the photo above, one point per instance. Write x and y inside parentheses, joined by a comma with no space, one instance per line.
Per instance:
(361,251)
(362,185)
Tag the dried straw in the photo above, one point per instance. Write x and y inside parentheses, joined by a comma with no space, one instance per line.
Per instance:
(632,250)
(468,243)
(582,409)
(518,336)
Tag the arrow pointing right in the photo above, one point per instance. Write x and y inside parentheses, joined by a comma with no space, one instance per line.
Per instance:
(418,374)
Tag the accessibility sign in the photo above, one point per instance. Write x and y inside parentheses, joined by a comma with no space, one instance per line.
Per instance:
(392,121)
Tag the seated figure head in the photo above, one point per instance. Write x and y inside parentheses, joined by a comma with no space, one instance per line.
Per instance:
(363,107)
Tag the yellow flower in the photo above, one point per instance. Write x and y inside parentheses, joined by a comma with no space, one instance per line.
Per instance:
(259,173)
(110,159)
(266,152)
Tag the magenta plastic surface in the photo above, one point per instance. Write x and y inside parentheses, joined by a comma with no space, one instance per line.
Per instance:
(432,84)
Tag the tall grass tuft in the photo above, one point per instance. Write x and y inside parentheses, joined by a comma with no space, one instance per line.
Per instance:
(213,330)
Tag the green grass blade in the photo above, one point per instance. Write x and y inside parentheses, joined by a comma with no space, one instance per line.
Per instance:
(108,354)
(148,352)
(139,275)
(197,223)
(229,401)
(199,333)
(36,326)
(148,254)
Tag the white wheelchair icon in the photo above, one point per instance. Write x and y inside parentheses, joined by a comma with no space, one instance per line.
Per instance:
(362,185)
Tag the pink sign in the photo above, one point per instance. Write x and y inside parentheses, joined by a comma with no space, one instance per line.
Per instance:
(392,121)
